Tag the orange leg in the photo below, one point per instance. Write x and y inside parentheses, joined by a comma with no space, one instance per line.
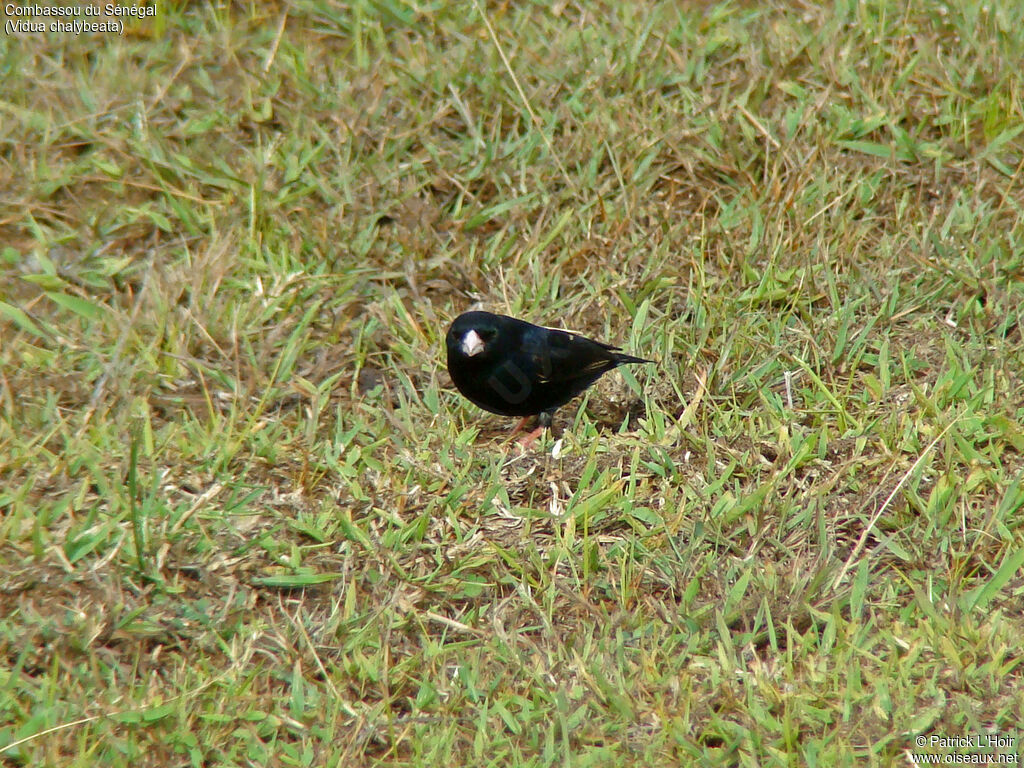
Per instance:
(527,440)
(519,427)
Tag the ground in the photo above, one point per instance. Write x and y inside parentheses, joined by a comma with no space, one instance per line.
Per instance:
(246,520)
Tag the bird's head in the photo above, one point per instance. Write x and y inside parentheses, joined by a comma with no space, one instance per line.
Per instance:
(472,334)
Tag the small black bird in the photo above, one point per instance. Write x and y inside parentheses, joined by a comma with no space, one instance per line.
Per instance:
(514,368)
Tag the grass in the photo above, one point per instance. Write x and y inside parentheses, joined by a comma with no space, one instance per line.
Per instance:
(247,521)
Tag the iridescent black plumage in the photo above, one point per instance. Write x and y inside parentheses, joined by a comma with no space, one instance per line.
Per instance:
(514,368)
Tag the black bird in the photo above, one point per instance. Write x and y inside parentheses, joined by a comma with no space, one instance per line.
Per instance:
(514,368)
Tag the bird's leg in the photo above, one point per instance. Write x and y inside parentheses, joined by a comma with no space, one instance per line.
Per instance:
(519,426)
(527,440)
(543,420)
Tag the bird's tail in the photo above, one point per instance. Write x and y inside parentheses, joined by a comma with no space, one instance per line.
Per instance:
(621,359)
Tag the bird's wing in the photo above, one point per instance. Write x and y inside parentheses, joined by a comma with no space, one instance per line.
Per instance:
(558,355)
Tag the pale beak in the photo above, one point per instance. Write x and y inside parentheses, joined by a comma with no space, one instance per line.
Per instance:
(472,344)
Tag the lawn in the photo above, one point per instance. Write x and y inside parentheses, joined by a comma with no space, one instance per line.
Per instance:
(245,519)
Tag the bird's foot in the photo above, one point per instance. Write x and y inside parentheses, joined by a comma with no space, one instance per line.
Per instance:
(527,440)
